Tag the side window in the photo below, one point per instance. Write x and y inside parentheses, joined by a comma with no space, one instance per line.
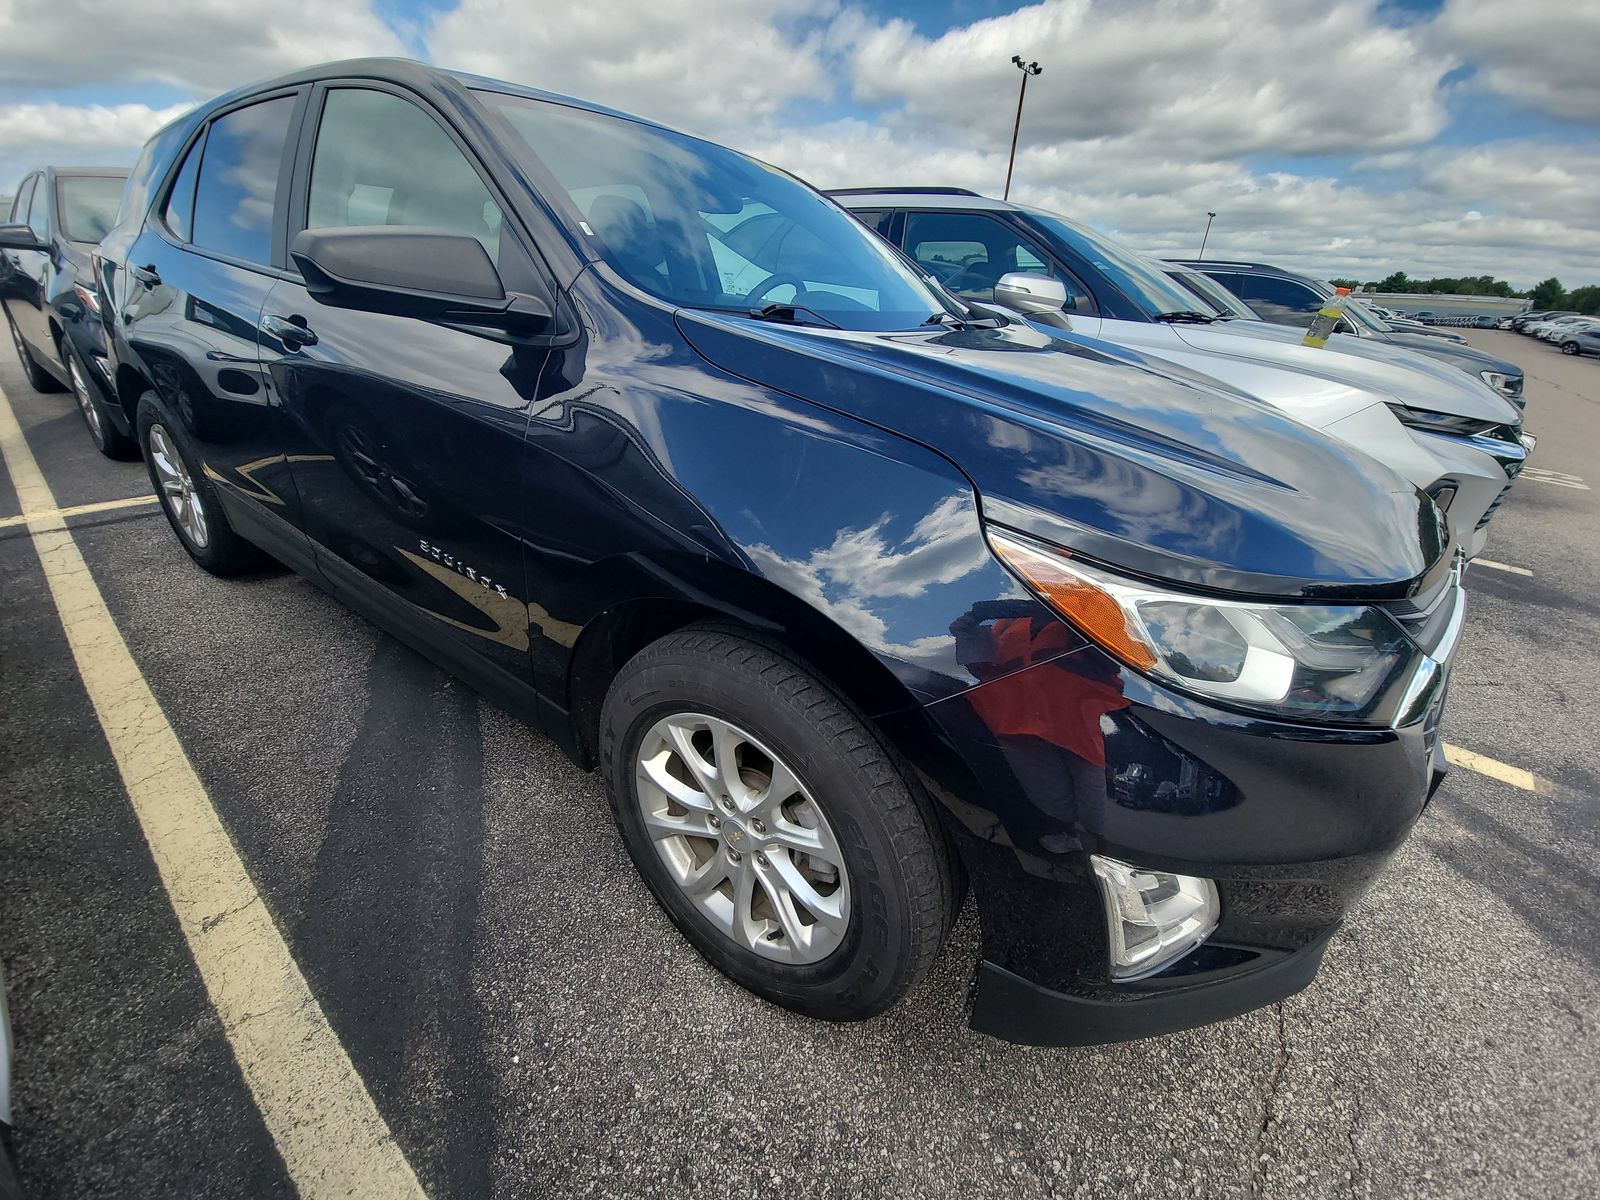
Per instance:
(1278,300)
(237,189)
(178,215)
(968,252)
(19,206)
(381,160)
(39,211)
(875,219)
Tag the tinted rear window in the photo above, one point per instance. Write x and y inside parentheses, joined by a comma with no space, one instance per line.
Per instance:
(238,186)
(88,205)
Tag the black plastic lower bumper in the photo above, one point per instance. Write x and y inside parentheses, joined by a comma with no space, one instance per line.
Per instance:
(1008,1007)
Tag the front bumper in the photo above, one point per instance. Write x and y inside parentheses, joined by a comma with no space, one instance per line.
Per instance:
(1037,769)
(1008,1007)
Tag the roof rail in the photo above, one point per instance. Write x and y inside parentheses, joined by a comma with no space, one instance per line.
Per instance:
(901,191)
(1224,262)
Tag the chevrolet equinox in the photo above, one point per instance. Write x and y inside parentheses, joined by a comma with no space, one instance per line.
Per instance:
(859,596)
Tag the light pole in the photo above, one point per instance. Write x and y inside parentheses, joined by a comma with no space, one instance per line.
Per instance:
(1210,217)
(1027,69)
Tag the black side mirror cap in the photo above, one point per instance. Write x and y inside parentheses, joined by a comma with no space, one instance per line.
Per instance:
(411,271)
(20,237)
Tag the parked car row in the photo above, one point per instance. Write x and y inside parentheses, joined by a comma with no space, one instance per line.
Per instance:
(1574,333)
(872,558)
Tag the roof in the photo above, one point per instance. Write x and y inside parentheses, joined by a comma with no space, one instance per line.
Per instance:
(408,72)
(927,197)
(1201,264)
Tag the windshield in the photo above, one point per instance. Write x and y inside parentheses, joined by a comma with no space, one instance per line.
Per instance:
(1144,284)
(88,205)
(1359,314)
(700,226)
(1216,297)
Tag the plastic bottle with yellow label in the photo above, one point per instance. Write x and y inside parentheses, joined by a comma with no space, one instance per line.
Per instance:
(1327,318)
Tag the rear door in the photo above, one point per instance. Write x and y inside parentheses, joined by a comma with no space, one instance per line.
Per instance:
(13,283)
(414,430)
(197,277)
(29,272)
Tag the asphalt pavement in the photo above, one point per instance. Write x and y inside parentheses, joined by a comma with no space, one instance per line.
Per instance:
(529,1024)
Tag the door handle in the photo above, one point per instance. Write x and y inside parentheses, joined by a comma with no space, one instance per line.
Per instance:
(291,331)
(148,276)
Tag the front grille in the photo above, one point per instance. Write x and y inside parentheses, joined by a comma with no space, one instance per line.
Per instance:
(1488,513)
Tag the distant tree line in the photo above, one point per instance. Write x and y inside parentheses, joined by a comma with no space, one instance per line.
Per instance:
(1545,295)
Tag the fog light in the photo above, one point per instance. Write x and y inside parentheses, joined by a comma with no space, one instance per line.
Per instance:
(1153,917)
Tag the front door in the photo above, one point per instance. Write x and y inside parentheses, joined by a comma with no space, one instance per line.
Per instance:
(412,482)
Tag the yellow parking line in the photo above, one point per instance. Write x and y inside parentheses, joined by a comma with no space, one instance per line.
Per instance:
(332,1137)
(1500,566)
(80,510)
(1495,769)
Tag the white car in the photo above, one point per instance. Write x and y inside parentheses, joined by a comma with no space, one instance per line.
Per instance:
(1550,331)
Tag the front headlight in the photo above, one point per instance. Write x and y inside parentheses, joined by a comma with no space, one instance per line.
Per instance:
(1500,381)
(1438,422)
(1345,663)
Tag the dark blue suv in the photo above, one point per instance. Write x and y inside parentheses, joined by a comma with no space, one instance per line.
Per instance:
(856,594)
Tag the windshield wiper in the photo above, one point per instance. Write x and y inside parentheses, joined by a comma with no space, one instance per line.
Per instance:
(1184,316)
(792,314)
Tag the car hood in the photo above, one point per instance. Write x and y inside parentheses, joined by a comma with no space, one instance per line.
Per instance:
(1417,379)
(1103,451)
(1456,354)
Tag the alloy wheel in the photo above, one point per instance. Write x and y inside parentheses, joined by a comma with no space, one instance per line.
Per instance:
(177,488)
(742,836)
(80,390)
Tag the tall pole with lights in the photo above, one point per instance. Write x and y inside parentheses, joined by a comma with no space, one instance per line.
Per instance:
(1210,217)
(1027,69)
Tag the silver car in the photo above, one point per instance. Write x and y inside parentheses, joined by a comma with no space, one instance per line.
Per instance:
(1444,430)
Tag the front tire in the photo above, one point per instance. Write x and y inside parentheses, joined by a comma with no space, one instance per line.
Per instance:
(1570,348)
(39,379)
(772,826)
(107,438)
(187,495)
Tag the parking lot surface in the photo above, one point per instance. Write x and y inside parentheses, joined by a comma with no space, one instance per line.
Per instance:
(529,1024)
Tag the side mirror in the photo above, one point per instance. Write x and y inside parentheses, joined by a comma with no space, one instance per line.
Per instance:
(20,237)
(1031,295)
(409,271)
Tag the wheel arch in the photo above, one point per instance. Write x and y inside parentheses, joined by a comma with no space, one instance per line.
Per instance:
(718,595)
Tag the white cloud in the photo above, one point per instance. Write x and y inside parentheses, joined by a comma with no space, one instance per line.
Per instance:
(1543,52)
(711,65)
(92,128)
(204,46)
(1209,79)
(1149,113)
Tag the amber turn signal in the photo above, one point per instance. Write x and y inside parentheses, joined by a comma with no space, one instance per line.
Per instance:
(1077,598)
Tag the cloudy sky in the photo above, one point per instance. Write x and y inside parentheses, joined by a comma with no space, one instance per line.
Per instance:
(1347,137)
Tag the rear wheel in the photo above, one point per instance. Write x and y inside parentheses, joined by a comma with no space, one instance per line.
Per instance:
(39,379)
(187,495)
(772,826)
(107,438)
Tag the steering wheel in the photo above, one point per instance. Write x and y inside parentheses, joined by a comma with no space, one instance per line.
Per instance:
(772,284)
